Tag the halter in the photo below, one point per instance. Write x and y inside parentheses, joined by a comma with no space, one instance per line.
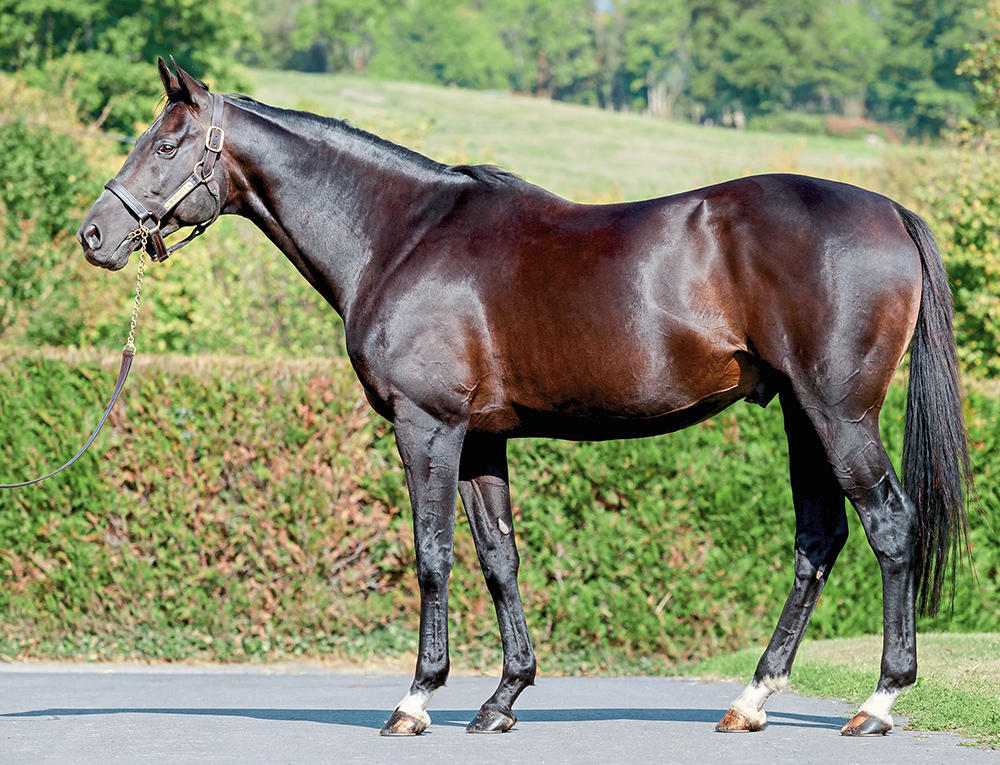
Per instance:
(204,172)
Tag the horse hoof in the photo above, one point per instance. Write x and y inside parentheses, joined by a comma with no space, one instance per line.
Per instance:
(402,724)
(735,721)
(864,724)
(491,721)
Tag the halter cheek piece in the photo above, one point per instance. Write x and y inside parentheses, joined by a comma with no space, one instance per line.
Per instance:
(204,172)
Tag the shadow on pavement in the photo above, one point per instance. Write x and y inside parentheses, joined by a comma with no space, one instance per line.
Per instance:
(374,718)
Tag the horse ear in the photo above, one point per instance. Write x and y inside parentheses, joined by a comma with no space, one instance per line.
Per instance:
(189,90)
(166,76)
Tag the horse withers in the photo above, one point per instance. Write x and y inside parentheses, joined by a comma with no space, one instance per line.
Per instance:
(480,308)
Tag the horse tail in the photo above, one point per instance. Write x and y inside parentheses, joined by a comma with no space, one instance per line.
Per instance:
(936,471)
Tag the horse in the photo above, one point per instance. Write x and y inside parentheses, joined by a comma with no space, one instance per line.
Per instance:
(479,308)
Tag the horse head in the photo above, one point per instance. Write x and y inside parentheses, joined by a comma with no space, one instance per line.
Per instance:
(168,181)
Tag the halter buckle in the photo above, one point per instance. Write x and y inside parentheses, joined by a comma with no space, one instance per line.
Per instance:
(215,138)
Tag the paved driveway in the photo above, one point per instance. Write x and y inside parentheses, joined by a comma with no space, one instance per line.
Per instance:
(304,714)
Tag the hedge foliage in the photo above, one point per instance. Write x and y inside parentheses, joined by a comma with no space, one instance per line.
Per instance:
(237,510)
(963,203)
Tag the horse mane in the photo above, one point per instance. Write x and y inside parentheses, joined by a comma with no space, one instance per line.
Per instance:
(489,176)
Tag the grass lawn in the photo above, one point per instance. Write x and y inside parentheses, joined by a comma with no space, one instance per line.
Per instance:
(958,685)
(582,153)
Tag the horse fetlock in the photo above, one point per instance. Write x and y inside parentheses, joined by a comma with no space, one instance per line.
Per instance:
(775,683)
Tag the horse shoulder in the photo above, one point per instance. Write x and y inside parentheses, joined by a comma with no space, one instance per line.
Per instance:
(423,338)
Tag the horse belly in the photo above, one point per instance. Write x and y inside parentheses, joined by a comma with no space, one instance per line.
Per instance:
(617,389)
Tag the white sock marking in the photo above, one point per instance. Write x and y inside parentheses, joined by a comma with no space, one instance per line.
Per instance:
(879,705)
(415,705)
(749,702)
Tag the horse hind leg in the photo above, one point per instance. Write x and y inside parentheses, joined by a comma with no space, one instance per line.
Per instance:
(485,490)
(889,518)
(820,534)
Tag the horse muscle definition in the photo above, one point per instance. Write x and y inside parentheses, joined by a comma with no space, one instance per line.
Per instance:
(479,307)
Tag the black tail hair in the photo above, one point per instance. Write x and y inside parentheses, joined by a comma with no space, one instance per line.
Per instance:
(936,471)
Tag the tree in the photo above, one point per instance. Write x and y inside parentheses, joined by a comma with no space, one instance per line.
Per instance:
(657,50)
(345,30)
(966,205)
(917,83)
(894,60)
(982,67)
(105,51)
(611,80)
(852,44)
(551,43)
(446,41)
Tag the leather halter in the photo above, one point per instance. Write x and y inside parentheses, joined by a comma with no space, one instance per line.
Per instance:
(204,172)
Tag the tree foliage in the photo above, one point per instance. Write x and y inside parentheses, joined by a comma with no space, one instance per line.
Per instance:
(729,60)
(250,511)
(45,176)
(105,51)
(443,41)
(965,204)
(884,59)
(917,82)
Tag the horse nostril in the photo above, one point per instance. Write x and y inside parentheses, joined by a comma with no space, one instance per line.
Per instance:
(93,236)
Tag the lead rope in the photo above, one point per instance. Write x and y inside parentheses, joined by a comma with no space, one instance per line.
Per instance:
(128,353)
(143,234)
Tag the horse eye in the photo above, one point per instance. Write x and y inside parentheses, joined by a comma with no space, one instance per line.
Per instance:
(166,149)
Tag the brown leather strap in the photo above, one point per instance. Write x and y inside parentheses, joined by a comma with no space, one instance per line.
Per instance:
(145,217)
(127,355)
(204,172)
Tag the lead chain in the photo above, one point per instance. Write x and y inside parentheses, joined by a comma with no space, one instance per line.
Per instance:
(141,233)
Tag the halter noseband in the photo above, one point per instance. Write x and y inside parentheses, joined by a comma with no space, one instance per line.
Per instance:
(204,172)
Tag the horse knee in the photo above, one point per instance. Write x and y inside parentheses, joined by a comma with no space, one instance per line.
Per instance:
(433,575)
(500,569)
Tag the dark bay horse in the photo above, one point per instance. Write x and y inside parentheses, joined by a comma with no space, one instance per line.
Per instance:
(479,307)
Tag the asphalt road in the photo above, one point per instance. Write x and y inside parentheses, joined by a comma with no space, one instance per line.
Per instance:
(304,714)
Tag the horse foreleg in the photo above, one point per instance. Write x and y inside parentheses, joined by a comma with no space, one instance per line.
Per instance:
(485,489)
(430,450)
(820,534)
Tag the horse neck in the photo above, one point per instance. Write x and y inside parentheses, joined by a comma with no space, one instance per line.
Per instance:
(338,202)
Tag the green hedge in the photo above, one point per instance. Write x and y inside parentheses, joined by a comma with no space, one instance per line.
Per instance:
(239,511)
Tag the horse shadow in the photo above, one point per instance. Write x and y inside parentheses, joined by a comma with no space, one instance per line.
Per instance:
(374,718)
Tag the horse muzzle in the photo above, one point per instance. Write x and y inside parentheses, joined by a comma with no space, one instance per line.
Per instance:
(92,240)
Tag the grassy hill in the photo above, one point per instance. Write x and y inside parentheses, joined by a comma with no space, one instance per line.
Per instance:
(580,152)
